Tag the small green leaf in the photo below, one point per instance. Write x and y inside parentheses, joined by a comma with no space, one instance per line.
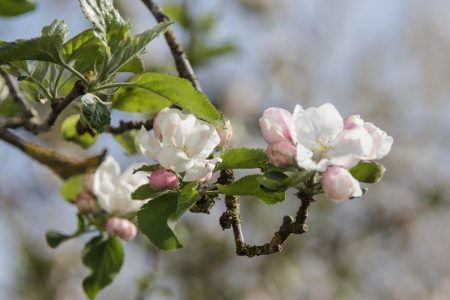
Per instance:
(85,48)
(272,181)
(297,179)
(129,140)
(249,186)
(135,46)
(11,8)
(182,93)
(46,48)
(69,133)
(9,108)
(145,192)
(104,257)
(158,217)
(135,65)
(109,27)
(71,187)
(57,28)
(55,238)
(132,99)
(243,158)
(148,168)
(368,172)
(94,114)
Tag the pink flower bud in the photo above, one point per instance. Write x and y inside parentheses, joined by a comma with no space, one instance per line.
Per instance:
(338,184)
(281,153)
(121,228)
(87,182)
(163,179)
(352,122)
(86,203)
(156,127)
(225,135)
(275,125)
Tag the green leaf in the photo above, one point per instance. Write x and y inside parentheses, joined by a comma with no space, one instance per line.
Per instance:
(11,8)
(145,192)
(135,65)
(9,108)
(368,172)
(272,181)
(94,114)
(104,257)
(135,46)
(297,178)
(45,48)
(109,27)
(148,168)
(16,68)
(129,140)
(158,217)
(133,99)
(243,158)
(182,93)
(71,187)
(57,28)
(69,133)
(249,186)
(84,47)
(55,238)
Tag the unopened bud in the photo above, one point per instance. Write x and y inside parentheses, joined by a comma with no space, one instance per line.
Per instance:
(121,228)
(86,203)
(338,184)
(87,182)
(281,153)
(156,127)
(163,179)
(225,135)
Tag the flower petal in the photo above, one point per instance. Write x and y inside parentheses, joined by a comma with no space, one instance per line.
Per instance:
(381,142)
(106,178)
(174,159)
(150,146)
(305,161)
(275,125)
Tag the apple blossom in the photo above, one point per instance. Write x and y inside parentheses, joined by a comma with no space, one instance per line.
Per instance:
(121,228)
(163,179)
(113,189)
(185,145)
(225,135)
(276,125)
(282,153)
(338,184)
(322,141)
(381,142)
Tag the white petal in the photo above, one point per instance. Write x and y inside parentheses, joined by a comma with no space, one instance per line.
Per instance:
(326,120)
(150,146)
(106,178)
(381,142)
(302,129)
(199,170)
(174,159)
(135,180)
(305,161)
(356,141)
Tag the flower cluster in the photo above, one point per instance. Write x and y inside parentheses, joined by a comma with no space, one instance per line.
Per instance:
(182,144)
(319,139)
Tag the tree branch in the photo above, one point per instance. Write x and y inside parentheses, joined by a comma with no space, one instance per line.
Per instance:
(182,63)
(62,165)
(231,218)
(124,126)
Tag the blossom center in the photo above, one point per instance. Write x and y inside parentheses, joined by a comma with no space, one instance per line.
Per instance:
(185,149)
(322,148)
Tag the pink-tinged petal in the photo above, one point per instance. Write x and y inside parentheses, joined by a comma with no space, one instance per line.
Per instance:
(174,159)
(150,146)
(282,154)
(381,142)
(338,184)
(163,179)
(156,127)
(352,122)
(275,125)
(224,135)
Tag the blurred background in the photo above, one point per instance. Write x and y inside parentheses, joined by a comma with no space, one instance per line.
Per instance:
(386,60)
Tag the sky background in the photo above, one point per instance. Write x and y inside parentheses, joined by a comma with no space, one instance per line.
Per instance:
(385,60)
